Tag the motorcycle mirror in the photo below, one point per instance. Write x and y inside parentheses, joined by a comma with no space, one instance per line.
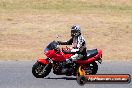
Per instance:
(58,36)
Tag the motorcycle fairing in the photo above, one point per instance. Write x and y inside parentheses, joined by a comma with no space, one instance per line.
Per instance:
(43,61)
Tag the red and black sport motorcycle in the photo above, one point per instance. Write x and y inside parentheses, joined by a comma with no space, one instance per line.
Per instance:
(56,61)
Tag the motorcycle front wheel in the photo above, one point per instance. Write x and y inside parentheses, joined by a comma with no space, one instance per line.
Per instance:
(40,70)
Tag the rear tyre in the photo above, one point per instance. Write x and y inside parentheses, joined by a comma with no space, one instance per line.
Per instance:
(40,70)
(91,68)
(81,80)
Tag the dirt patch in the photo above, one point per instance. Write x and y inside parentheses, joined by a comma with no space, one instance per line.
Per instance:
(27,26)
(24,35)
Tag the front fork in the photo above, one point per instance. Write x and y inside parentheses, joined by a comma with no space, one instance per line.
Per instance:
(44,69)
(46,61)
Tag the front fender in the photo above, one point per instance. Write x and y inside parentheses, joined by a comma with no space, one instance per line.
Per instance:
(43,61)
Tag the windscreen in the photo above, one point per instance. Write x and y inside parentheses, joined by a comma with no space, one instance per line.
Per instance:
(51,46)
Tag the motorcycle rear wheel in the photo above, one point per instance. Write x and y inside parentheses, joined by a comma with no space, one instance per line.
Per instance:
(81,80)
(91,68)
(40,70)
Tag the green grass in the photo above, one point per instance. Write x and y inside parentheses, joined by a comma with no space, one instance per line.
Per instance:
(65,5)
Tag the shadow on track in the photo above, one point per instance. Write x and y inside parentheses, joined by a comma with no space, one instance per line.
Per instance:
(65,78)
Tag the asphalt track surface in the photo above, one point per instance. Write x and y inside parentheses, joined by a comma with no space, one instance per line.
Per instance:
(18,74)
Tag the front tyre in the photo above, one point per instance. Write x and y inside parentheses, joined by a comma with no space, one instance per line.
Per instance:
(40,70)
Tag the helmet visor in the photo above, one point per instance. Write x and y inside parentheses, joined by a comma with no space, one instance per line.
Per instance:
(73,32)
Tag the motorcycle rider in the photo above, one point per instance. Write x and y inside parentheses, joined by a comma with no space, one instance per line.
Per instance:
(78,42)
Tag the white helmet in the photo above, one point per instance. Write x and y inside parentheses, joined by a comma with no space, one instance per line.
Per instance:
(75,30)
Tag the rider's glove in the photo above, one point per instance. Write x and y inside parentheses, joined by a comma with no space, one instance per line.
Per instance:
(66,51)
(74,50)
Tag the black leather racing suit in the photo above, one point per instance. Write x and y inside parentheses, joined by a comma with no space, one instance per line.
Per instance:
(79,47)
